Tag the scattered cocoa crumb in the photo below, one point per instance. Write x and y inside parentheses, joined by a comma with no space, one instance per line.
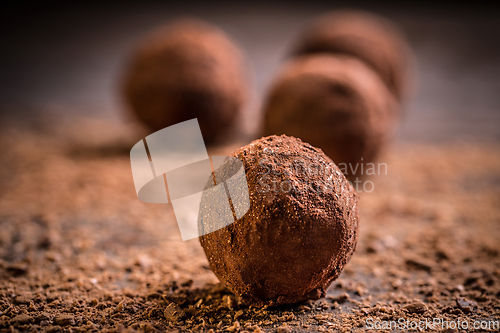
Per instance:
(64,320)
(22,319)
(173,313)
(419,263)
(417,307)
(283,329)
(339,298)
(466,305)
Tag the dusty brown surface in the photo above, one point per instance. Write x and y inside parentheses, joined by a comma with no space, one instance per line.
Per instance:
(79,251)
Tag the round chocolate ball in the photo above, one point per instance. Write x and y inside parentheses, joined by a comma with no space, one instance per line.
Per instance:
(369,37)
(299,232)
(336,103)
(188,69)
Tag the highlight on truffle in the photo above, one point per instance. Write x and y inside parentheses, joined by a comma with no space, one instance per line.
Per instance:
(188,69)
(336,103)
(371,38)
(300,230)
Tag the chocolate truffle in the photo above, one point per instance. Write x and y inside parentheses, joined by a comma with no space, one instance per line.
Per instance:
(299,232)
(336,103)
(368,37)
(186,70)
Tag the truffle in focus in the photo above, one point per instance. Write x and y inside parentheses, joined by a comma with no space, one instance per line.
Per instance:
(186,70)
(300,230)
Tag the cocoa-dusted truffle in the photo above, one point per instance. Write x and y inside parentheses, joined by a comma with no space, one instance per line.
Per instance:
(300,230)
(368,37)
(336,103)
(186,70)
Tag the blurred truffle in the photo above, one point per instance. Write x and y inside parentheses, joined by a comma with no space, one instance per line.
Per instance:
(188,69)
(370,38)
(336,103)
(300,230)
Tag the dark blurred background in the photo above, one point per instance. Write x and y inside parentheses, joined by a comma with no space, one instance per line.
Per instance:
(70,57)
